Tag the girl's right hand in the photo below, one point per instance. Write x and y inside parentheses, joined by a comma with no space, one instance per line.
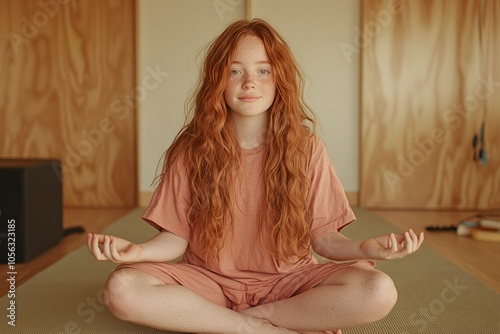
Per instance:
(114,249)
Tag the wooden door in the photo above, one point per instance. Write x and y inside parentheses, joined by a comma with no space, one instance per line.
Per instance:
(425,91)
(67,91)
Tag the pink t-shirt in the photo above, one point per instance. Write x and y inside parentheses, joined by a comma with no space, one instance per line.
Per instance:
(246,258)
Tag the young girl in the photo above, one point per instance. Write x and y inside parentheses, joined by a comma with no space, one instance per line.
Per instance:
(246,191)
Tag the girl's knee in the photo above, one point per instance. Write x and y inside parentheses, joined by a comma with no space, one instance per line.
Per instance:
(381,295)
(121,292)
(373,294)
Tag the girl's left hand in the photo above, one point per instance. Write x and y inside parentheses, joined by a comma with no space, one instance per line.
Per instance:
(392,246)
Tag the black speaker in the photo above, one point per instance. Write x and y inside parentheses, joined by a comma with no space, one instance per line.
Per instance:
(30,208)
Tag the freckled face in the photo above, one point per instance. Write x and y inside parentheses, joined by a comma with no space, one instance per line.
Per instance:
(251,87)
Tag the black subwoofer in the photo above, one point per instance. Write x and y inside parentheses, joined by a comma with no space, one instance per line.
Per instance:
(30,208)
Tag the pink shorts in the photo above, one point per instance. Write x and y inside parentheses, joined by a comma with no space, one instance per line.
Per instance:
(233,294)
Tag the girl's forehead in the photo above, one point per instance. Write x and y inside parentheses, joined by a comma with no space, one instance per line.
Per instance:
(251,46)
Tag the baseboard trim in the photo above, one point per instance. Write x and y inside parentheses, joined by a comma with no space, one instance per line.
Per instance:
(352,197)
(145,198)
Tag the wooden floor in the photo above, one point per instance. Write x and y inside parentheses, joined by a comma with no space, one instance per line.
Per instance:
(93,220)
(479,259)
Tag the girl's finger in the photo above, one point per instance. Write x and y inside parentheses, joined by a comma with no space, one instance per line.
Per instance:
(89,242)
(408,242)
(414,239)
(106,247)
(420,239)
(394,242)
(95,247)
(115,255)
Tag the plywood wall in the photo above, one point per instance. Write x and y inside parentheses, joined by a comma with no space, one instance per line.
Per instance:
(67,91)
(491,71)
(426,83)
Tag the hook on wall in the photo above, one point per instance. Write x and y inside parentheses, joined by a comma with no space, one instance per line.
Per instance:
(478,145)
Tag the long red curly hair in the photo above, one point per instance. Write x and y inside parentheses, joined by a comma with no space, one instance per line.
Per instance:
(210,151)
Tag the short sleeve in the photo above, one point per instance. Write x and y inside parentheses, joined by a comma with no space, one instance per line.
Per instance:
(329,209)
(170,203)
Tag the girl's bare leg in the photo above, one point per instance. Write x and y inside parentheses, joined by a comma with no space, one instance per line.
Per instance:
(134,296)
(351,297)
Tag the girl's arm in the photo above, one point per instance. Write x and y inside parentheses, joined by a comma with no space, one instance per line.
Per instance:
(163,247)
(337,247)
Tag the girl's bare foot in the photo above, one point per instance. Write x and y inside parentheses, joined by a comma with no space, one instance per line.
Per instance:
(338,331)
(262,326)
(261,314)
(259,323)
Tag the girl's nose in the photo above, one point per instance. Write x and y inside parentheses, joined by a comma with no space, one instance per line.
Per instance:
(249,82)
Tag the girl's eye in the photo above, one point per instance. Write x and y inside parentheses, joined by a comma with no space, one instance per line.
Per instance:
(264,72)
(234,72)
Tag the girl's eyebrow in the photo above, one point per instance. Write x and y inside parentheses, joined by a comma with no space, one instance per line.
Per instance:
(257,62)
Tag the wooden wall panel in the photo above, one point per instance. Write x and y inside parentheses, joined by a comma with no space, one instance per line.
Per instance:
(67,70)
(491,50)
(422,98)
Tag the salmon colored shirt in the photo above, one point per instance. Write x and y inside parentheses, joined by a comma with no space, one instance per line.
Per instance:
(246,259)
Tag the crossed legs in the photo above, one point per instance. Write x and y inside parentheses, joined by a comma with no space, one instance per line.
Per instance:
(353,296)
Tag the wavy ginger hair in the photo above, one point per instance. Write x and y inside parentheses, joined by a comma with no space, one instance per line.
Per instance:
(210,151)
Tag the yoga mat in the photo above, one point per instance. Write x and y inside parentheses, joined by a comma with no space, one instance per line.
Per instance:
(435,296)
